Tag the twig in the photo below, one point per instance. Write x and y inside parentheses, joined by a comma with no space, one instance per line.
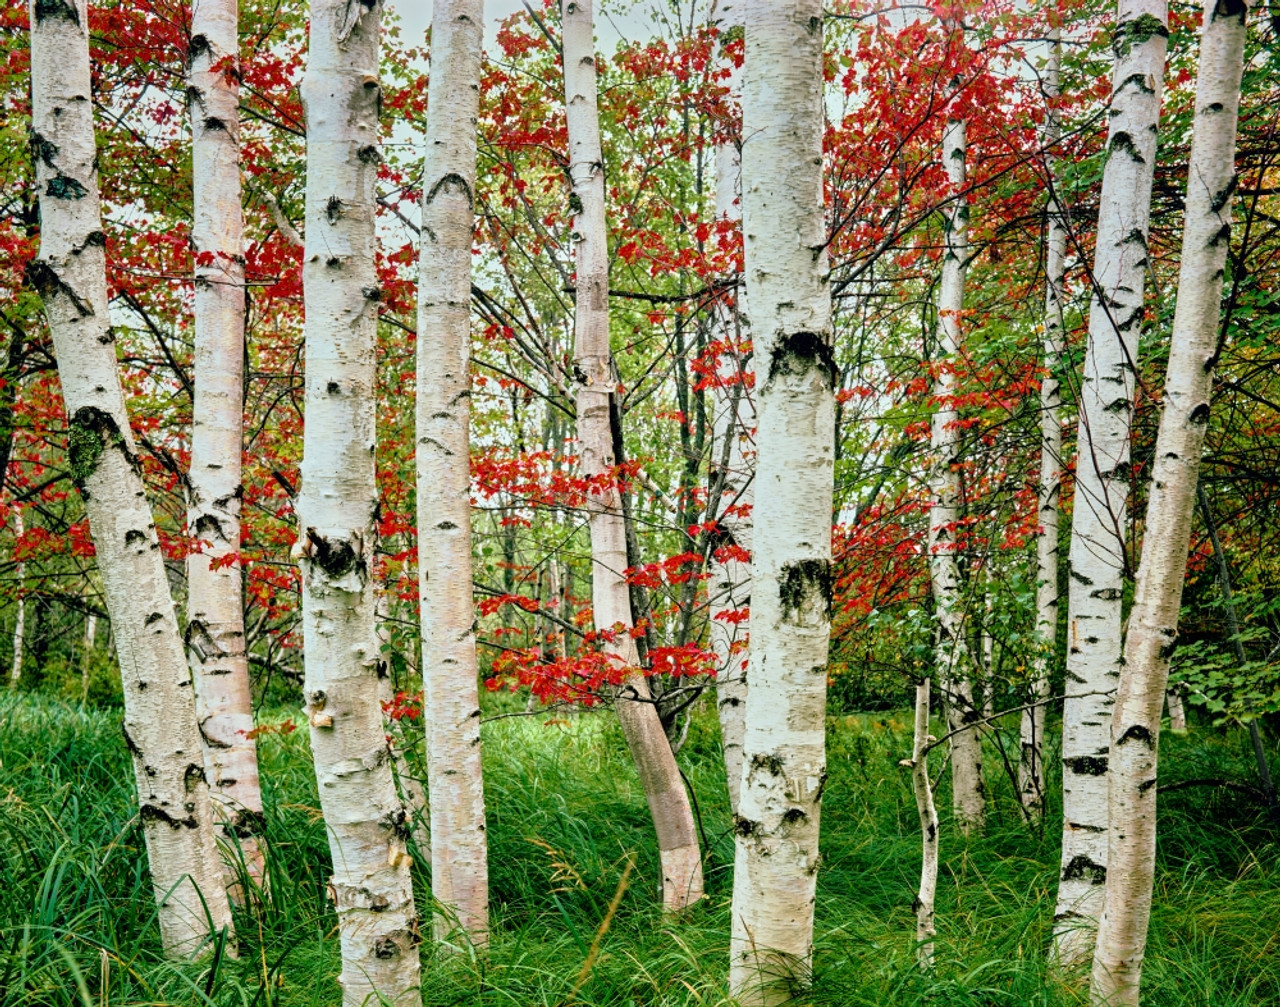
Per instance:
(1013,709)
(602,929)
(1242,788)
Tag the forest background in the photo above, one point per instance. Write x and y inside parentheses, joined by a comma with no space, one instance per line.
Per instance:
(665,103)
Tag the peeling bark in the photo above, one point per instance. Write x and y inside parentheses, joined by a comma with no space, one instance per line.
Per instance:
(1184,418)
(160,726)
(789,301)
(377,923)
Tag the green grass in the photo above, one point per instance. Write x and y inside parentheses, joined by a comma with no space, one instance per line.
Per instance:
(566,812)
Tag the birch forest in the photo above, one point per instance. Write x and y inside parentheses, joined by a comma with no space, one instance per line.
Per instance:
(645,503)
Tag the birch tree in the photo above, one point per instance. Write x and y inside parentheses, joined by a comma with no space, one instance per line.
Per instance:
(1102,469)
(459,867)
(730,582)
(160,726)
(20,606)
(1031,765)
(365,822)
(789,299)
(596,380)
(968,787)
(927,893)
(1153,622)
(215,609)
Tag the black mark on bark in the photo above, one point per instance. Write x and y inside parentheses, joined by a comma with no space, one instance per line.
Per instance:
(1082,867)
(1137,732)
(1087,765)
(805,585)
(798,353)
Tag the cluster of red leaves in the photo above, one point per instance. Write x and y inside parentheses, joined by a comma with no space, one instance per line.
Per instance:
(404,706)
(586,678)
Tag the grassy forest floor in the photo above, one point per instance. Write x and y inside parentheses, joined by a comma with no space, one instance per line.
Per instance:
(565,813)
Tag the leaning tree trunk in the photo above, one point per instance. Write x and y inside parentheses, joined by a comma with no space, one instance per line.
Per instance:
(789,299)
(160,725)
(1031,767)
(336,505)
(596,380)
(1102,470)
(459,865)
(730,582)
(968,787)
(215,607)
(1153,623)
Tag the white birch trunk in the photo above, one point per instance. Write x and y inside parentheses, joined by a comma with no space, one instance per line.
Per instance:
(377,925)
(784,746)
(215,606)
(988,648)
(451,707)
(923,787)
(1031,765)
(20,616)
(1153,623)
(968,796)
(593,363)
(160,724)
(86,656)
(1102,470)
(730,583)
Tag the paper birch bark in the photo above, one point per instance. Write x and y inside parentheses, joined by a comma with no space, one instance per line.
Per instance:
(451,706)
(86,655)
(1102,469)
(366,824)
(928,812)
(988,642)
(596,380)
(20,606)
(1031,765)
(215,609)
(730,583)
(789,299)
(1184,418)
(968,788)
(160,726)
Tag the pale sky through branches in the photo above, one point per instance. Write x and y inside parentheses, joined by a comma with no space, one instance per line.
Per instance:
(415,17)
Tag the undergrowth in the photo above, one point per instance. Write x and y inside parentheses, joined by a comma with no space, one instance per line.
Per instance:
(566,815)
